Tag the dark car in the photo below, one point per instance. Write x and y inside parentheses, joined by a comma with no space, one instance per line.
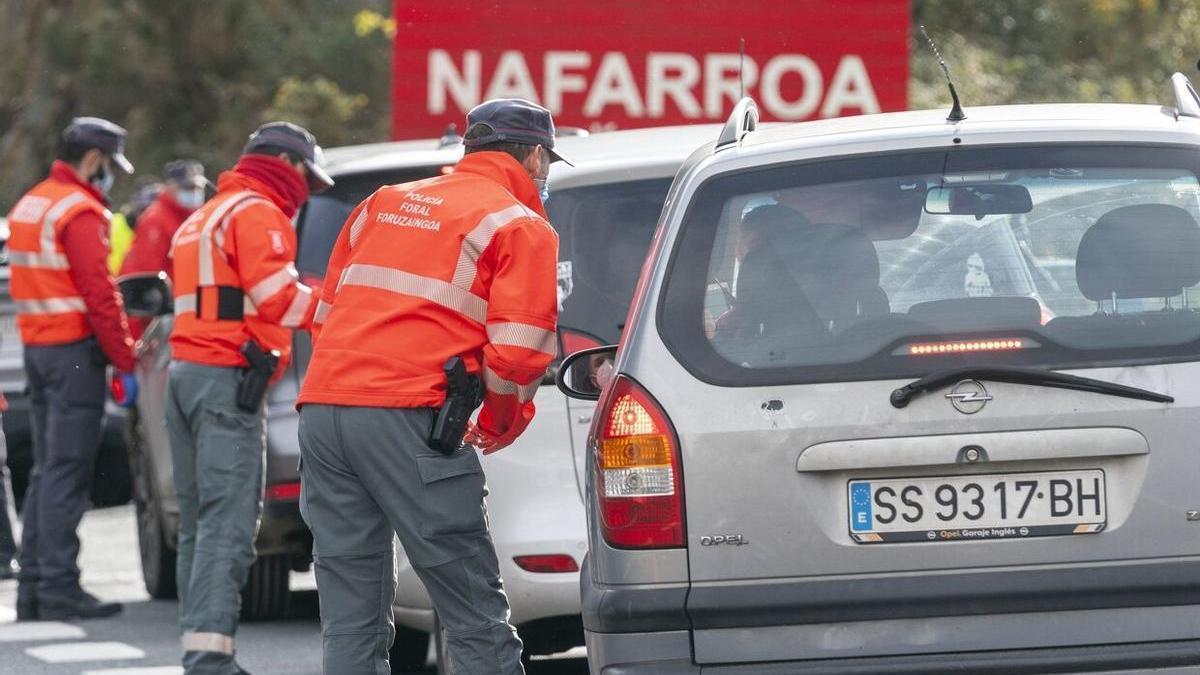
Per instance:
(111,484)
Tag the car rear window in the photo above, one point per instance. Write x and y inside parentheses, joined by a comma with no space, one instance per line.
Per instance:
(320,223)
(323,216)
(897,265)
(604,234)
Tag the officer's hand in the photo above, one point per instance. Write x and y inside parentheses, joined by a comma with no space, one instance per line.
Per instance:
(482,440)
(124,388)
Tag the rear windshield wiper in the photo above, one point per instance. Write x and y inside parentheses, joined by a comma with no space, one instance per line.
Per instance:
(1046,378)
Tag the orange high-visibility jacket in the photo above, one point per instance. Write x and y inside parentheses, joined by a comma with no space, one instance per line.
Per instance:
(50,307)
(235,277)
(458,265)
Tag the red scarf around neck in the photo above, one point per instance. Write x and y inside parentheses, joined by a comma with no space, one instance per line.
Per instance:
(277,175)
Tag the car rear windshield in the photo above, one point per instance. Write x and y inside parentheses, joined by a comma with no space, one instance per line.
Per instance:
(323,216)
(604,232)
(901,264)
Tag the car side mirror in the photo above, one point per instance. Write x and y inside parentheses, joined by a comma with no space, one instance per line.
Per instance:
(584,374)
(146,294)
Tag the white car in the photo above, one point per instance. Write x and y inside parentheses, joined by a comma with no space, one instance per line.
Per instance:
(605,210)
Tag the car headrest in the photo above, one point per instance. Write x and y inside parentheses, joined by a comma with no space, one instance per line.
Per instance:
(840,254)
(1143,251)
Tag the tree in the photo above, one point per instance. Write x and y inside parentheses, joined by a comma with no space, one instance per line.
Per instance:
(186,79)
(1022,51)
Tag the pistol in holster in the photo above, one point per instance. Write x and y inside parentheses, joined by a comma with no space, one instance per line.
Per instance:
(463,395)
(254,380)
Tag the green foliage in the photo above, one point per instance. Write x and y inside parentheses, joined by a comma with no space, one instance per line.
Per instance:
(186,78)
(1021,51)
(319,104)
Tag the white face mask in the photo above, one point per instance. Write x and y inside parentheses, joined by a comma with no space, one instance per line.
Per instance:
(190,199)
(103,180)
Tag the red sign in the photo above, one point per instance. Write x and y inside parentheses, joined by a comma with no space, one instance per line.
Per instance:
(602,64)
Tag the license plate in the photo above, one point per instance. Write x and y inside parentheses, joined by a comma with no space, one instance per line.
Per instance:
(977,507)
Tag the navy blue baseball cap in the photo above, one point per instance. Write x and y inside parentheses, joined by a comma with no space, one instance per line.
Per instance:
(94,132)
(297,140)
(186,173)
(512,120)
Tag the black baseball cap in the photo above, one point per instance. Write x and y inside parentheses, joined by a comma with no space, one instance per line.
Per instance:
(295,139)
(512,120)
(187,173)
(94,132)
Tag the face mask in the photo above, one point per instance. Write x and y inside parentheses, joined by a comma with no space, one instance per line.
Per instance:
(190,199)
(543,186)
(102,180)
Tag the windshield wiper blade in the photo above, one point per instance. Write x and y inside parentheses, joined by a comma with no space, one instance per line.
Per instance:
(1046,378)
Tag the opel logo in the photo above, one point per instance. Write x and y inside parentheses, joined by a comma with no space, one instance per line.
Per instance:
(968,397)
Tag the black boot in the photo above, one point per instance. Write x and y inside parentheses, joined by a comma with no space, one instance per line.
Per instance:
(86,606)
(8,570)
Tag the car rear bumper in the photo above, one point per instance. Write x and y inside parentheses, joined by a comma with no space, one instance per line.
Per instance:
(659,654)
(533,597)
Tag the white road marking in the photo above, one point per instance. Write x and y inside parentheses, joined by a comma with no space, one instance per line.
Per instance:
(75,652)
(40,630)
(151,670)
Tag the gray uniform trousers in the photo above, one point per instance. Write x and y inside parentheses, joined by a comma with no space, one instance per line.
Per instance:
(366,473)
(66,396)
(218,452)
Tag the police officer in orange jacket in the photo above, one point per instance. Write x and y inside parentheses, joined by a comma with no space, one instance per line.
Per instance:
(461,266)
(72,323)
(183,191)
(237,299)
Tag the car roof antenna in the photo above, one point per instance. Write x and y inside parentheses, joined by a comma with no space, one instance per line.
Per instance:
(956,112)
(450,137)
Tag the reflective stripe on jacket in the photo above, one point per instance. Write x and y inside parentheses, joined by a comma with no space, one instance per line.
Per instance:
(50,307)
(235,277)
(460,264)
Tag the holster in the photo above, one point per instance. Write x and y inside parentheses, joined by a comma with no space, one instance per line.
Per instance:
(463,395)
(254,380)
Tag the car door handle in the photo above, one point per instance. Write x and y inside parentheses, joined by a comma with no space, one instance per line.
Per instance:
(584,419)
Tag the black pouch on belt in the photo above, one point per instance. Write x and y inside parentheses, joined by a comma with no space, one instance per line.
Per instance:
(462,397)
(252,385)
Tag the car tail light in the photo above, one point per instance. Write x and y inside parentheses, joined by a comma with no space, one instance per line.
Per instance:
(558,563)
(283,492)
(638,481)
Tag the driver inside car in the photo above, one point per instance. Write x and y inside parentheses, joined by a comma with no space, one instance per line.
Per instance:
(764,283)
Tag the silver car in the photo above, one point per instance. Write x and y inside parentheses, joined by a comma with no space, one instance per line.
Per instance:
(864,418)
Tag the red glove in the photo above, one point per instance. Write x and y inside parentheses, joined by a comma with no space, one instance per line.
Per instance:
(482,440)
(124,388)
